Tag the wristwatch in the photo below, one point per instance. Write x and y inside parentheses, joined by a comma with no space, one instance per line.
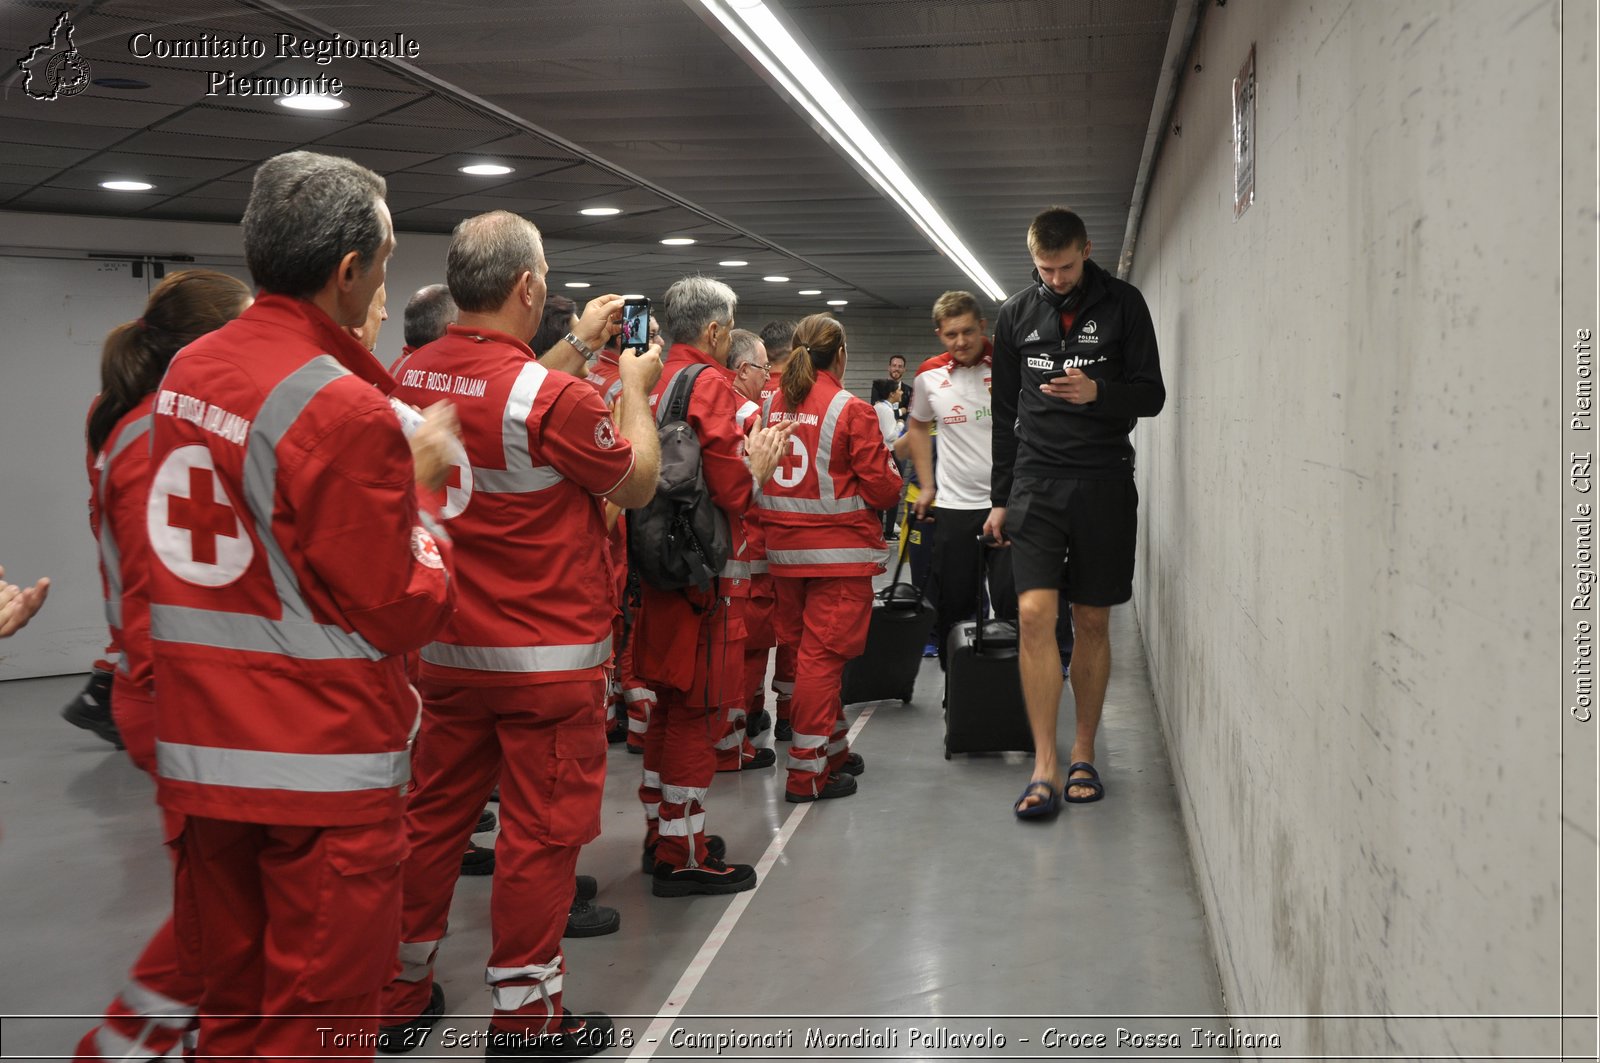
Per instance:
(578,345)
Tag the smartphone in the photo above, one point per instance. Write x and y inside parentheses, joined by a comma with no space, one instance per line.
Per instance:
(636,323)
(1054,374)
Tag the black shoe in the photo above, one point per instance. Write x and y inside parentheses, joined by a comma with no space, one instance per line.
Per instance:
(853,764)
(91,709)
(783,731)
(756,726)
(838,785)
(619,732)
(711,877)
(580,1035)
(486,822)
(405,1036)
(762,758)
(477,860)
(586,919)
(586,888)
(716,849)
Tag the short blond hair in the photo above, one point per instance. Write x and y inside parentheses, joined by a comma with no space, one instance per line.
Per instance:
(954,304)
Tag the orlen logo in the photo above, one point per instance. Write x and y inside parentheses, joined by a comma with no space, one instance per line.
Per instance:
(958,415)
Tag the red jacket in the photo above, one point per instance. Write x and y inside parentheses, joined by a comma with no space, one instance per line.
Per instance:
(294,567)
(119,479)
(819,507)
(533,580)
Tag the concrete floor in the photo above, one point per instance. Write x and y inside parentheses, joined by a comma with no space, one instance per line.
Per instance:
(919,909)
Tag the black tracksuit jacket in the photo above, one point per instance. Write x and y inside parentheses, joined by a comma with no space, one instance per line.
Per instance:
(1114,342)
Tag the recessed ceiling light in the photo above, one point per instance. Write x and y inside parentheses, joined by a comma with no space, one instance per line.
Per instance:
(812,291)
(486,169)
(311,102)
(127,186)
(600,212)
(577,284)
(775,279)
(678,241)
(838,302)
(121,83)
(733,262)
(758,27)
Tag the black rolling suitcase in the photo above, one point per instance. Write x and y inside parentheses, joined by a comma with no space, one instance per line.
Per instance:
(901,624)
(984,711)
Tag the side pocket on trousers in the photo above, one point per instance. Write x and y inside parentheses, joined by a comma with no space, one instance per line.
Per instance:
(574,818)
(355,945)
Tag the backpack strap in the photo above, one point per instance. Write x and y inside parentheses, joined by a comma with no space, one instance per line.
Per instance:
(674,405)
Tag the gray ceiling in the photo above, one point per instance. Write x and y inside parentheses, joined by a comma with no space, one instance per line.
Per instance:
(997,109)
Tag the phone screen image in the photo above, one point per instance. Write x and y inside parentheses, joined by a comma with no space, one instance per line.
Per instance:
(636,325)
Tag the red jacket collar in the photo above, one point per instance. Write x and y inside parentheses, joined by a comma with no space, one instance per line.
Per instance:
(683,352)
(489,335)
(306,319)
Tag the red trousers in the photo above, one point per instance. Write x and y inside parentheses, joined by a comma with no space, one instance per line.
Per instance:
(545,744)
(159,1002)
(826,618)
(686,724)
(637,698)
(294,929)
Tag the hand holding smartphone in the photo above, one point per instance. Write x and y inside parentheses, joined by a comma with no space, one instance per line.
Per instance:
(636,323)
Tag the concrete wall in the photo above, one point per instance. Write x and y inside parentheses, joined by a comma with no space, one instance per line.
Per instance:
(1348,554)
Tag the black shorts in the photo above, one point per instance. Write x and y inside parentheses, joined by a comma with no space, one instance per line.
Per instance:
(1075,535)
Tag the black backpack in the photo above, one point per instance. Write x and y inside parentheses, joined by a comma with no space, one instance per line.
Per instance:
(680,539)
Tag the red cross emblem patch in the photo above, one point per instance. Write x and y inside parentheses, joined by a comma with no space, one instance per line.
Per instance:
(193,527)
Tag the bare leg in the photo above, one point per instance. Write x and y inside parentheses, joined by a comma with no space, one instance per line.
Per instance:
(1091,669)
(1040,664)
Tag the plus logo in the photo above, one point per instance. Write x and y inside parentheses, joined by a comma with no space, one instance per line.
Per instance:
(457,489)
(193,528)
(793,465)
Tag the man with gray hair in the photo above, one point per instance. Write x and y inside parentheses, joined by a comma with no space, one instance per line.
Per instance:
(513,689)
(293,569)
(689,645)
(429,310)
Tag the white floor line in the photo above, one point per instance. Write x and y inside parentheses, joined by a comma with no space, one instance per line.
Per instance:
(662,1024)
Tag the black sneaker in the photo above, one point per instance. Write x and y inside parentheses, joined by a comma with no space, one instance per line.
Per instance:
(586,919)
(755,726)
(716,849)
(486,822)
(711,877)
(783,731)
(838,785)
(91,709)
(477,860)
(580,1035)
(405,1036)
(853,764)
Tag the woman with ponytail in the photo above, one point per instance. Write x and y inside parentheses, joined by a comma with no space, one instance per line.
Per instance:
(152,1012)
(824,545)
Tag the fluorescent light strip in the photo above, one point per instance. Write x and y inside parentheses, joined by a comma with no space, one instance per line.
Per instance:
(790,64)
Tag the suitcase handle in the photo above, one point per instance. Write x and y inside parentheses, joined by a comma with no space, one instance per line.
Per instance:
(985,544)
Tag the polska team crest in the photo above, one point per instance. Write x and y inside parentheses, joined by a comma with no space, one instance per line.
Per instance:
(54,68)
